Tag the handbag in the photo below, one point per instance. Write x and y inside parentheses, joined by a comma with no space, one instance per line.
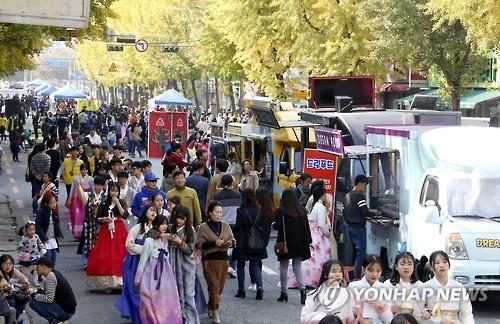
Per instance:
(281,248)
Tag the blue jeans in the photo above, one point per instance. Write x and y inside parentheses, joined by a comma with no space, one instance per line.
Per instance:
(358,238)
(50,311)
(255,269)
(133,145)
(52,254)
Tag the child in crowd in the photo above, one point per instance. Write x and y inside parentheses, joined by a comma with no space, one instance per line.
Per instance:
(405,278)
(319,303)
(367,310)
(30,249)
(181,245)
(158,305)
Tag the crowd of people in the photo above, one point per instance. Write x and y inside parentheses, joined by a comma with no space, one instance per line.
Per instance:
(149,237)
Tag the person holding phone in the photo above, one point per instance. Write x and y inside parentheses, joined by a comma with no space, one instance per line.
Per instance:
(214,238)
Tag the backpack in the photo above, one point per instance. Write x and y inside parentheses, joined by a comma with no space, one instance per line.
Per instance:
(255,236)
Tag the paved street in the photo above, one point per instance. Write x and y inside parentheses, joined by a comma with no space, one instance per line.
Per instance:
(96,307)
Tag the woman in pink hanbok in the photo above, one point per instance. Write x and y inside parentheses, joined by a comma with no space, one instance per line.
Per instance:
(319,225)
(159,298)
(75,204)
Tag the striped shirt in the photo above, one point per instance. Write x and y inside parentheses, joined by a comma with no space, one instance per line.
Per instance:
(40,163)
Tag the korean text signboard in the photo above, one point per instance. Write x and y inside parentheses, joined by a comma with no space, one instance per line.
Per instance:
(162,128)
(322,166)
(329,140)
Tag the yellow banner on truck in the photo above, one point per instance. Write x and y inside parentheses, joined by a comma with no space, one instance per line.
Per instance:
(88,104)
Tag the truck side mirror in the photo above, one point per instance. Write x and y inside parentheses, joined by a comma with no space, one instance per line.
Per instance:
(432,213)
(283,168)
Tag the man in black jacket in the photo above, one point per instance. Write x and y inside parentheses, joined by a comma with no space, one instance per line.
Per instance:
(55,301)
(355,213)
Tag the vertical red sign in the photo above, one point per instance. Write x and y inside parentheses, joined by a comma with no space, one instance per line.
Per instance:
(322,166)
(163,126)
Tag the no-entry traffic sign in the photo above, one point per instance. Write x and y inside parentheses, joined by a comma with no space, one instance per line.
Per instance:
(141,45)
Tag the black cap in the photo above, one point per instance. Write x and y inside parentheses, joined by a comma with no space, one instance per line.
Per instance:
(361,178)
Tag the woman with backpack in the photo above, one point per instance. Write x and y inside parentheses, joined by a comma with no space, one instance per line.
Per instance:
(252,231)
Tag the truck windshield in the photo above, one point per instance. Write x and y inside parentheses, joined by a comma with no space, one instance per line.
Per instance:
(474,197)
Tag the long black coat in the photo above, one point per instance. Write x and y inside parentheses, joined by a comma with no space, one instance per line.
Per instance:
(241,229)
(298,235)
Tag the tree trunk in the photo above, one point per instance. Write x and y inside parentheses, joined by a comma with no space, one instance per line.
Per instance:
(217,99)
(195,95)
(231,97)
(455,98)
(112,95)
(207,97)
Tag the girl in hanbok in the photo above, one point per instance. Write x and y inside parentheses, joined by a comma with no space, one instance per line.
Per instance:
(128,303)
(75,205)
(91,201)
(404,279)
(330,298)
(159,302)
(321,248)
(158,202)
(104,267)
(366,309)
(181,246)
(458,310)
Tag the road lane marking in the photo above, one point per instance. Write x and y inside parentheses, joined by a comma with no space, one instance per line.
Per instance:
(20,204)
(12,180)
(15,189)
(8,171)
(268,271)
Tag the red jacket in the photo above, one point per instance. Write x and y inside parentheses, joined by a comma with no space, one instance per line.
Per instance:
(175,158)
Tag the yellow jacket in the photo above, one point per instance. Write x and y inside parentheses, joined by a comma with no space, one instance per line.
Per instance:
(71,170)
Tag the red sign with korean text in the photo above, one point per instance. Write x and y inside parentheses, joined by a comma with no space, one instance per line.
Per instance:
(322,166)
(162,128)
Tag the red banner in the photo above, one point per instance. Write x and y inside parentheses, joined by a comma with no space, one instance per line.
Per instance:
(322,166)
(162,128)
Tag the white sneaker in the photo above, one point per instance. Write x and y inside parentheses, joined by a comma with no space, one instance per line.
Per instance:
(232,272)
(252,287)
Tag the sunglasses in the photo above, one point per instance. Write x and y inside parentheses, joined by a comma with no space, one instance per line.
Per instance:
(155,180)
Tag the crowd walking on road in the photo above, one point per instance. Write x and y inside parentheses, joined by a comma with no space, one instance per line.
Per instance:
(157,240)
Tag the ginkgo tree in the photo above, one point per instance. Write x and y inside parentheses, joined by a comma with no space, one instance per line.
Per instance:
(481,19)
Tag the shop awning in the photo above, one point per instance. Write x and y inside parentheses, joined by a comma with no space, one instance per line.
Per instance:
(474,97)
(393,87)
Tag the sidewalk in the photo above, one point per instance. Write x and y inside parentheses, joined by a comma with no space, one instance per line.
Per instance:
(8,242)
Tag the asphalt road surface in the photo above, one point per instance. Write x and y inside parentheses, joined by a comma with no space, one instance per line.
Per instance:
(97,307)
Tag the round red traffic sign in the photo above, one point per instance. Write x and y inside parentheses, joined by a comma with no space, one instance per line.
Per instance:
(141,45)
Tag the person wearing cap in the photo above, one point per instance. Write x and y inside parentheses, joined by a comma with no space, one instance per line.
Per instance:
(56,301)
(355,213)
(70,168)
(143,197)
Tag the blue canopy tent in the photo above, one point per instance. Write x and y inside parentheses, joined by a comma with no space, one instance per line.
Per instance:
(47,91)
(171,97)
(67,92)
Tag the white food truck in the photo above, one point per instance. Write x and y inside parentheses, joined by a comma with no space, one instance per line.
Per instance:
(438,188)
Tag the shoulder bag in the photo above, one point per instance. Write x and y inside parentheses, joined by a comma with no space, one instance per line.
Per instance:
(280,248)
